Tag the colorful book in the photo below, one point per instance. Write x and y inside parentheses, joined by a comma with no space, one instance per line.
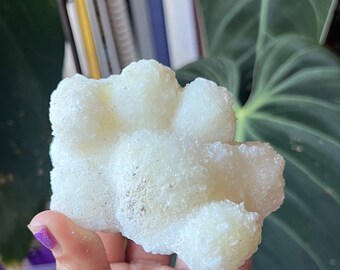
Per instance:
(142,28)
(97,35)
(77,36)
(159,36)
(90,48)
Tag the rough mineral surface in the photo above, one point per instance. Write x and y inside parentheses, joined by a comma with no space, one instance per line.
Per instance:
(138,154)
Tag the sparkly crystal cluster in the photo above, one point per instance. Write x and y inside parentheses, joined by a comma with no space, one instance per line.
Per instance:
(138,154)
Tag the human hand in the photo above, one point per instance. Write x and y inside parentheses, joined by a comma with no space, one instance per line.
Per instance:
(76,248)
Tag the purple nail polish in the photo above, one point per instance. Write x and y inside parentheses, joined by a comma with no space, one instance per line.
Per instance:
(45,237)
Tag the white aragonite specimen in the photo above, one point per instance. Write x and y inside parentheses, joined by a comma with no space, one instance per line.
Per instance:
(138,154)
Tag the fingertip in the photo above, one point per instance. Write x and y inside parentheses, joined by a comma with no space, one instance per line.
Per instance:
(71,245)
(48,217)
(42,226)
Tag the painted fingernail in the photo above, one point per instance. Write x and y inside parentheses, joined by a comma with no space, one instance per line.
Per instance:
(44,236)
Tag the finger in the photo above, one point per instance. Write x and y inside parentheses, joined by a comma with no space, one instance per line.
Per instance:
(72,246)
(180,264)
(114,244)
(135,254)
(248,265)
(139,266)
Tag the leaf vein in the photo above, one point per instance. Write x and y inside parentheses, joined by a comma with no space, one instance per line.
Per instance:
(297,239)
(301,167)
(305,99)
(301,127)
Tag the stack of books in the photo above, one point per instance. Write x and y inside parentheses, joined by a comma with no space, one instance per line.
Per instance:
(104,36)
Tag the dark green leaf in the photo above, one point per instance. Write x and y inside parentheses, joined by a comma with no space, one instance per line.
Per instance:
(237,28)
(31,61)
(309,18)
(296,107)
(232,26)
(222,70)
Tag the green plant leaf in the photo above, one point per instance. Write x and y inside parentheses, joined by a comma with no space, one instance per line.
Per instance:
(308,18)
(295,105)
(238,28)
(232,27)
(31,63)
(222,70)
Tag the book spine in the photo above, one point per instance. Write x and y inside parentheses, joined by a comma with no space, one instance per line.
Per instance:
(89,44)
(202,46)
(142,28)
(78,38)
(91,8)
(66,25)
(159,36)
(108,37)
(122,32)
(181,32)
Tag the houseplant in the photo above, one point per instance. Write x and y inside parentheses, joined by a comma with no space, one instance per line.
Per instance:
(31,63)
(287,91)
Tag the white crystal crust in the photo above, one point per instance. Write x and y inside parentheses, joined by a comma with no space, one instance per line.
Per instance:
(138,154)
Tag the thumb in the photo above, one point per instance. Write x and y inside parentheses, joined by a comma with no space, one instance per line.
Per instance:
(72,246)
(248,265)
